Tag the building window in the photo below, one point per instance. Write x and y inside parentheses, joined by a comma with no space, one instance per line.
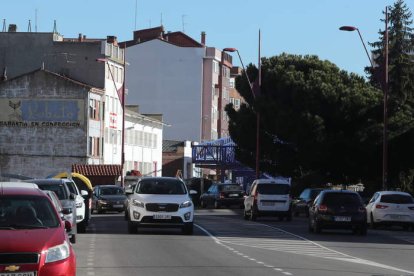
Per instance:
(94,109)
(94,146)
(232,83)
(216,67)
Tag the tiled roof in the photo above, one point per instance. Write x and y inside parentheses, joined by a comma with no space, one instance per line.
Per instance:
(102,170)
(179,39)
(171,145)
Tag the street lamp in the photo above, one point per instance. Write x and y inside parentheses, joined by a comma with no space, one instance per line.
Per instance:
(122,89)
(232,50)
(384,87)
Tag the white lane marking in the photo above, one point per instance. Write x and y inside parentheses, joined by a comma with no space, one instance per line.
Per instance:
(238,253)
(312,248)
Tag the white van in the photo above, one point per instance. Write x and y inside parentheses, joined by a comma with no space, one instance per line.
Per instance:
(269,197)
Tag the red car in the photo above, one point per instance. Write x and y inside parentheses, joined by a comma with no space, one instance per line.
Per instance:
(33,238)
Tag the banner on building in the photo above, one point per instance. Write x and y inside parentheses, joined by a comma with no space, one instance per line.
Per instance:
(17,112)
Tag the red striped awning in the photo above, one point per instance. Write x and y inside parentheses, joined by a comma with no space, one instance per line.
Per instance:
(97,170)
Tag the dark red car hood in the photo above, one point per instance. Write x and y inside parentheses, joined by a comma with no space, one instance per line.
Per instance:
(30,240)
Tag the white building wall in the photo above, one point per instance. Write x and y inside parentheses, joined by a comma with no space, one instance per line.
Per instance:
(113,114)
(167,79)
(143,147)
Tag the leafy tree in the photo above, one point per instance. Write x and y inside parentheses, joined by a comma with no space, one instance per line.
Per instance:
(314,120)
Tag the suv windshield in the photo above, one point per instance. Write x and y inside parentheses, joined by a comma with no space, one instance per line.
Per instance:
(273,189)
(397,198)
(26,213)
(161,187)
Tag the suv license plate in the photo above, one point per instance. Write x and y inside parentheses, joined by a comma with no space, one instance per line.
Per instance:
(268,204)
(17,274)
(342,218)
(161,216)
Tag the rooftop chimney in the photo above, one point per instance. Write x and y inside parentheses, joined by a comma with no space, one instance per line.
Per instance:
(80,38)
(112,39)
(12,28)
(203,38)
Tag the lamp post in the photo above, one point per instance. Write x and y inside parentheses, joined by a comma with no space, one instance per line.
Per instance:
(105,60)
(384,86)
(232,50)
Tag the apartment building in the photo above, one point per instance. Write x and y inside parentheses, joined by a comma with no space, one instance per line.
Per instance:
(188,82)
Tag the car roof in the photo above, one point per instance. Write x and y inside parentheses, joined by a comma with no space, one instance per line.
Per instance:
(7,188)
(107,186)
(393,193)
(48,181)
(19,184)
(160,178)
(338,191)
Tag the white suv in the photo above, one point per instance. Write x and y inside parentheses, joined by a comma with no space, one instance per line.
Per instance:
(268,197)
(160,202)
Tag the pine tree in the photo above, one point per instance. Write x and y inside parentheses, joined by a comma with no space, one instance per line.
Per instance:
(400,56)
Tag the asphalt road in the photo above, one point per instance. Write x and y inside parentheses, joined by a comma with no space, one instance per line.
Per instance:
(225,244)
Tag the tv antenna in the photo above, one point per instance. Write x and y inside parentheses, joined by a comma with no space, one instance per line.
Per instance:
(183,22)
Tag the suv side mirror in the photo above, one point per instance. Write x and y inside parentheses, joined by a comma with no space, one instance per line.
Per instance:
(84,193)
(193,192)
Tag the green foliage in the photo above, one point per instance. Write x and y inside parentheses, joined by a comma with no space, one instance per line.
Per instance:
(314,119)
(400,60)
(400,88)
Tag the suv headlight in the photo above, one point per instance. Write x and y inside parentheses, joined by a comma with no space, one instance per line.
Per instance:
(186,204)
(58,253)
(137,203)
(103,202)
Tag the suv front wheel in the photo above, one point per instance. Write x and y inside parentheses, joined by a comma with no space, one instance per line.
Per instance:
(188,228)
(132,228)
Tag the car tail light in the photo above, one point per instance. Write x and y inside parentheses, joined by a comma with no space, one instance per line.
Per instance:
(221,195)
(379,206)
(323,208)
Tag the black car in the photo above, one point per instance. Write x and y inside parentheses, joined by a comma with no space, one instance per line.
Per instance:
(301,204)
(108,198)
(223,194)
(338,209)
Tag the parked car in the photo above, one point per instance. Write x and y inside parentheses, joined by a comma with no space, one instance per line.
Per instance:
(39,243)
(160,202)
(81,221)
(108,198)
(301,204)
(64,213)
(198,184)
(223,194)
(85,186)
(67,199)
(338,209)
(391,208)
(268,197)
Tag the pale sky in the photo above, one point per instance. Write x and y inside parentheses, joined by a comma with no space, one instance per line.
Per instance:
(305,27)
